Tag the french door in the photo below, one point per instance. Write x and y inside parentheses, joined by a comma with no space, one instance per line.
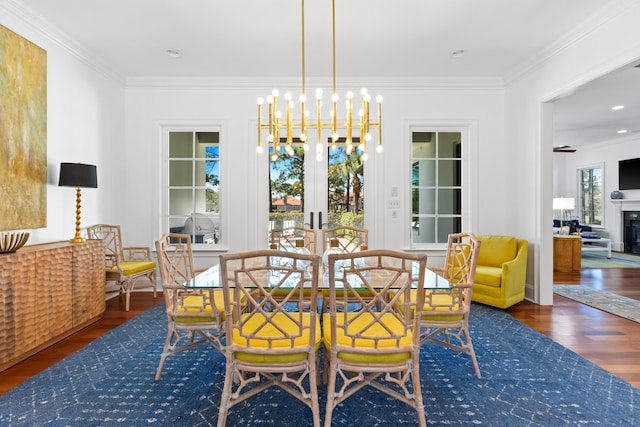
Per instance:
(316,194)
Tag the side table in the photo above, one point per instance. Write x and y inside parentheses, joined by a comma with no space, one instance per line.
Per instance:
(567,253)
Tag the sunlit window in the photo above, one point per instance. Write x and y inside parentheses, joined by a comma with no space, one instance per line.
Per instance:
(194,186)
(436,186)
(591,185)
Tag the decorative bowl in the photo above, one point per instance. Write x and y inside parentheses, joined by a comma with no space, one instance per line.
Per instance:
(11,242)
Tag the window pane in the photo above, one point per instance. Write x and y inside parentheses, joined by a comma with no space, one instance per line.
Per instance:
(180,173)
(423,229)
(424,173)
(446,226)
(345,187)
(181,144)
(591,196)
(194,165)
(449,201)
(449,145)
(180,201)
(286,186)
(436,179)
(449,173)
(424,201)
(213,200)
(424,145)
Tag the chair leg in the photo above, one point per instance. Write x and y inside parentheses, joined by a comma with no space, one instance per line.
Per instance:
(472,353)
(226,395)
(417,394)
(165,353)
(331,389)
(313,388)
(128,295)
(153,279)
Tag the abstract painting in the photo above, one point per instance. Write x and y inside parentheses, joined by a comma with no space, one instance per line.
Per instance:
(23,133)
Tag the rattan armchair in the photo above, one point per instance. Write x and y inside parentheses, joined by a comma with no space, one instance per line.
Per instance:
(194,315)
(125,265)
(445,314)
(350,239)
(377,343)
(270,340)
(285,238)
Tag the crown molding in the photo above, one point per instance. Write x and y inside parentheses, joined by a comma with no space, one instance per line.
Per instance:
(574,36)
(47,31)
(199,83)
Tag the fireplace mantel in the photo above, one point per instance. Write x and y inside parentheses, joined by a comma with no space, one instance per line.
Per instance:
(627,204)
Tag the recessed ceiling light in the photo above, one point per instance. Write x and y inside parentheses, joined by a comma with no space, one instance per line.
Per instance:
(617,107)
(458,53)
(622,131)
(174,53)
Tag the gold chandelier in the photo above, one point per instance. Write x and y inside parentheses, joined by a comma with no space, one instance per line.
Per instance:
(277,125)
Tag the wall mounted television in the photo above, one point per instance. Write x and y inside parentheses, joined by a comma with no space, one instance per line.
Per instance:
(629,174)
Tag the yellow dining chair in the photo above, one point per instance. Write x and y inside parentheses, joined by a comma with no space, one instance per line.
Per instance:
(285,238)
(378,342)
(194,315)
(445,314)
(270,340)
(345,239)
(124,265)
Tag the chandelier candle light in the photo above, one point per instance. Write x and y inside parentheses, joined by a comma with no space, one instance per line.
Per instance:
(275,122)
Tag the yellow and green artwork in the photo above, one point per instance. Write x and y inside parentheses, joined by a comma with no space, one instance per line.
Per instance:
(23,133)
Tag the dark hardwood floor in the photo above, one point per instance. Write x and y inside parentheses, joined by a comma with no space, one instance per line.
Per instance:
(609,341)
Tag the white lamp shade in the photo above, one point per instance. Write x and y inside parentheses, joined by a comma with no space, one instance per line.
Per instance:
(564,203)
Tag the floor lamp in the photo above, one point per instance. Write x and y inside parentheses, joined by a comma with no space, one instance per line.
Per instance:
(78,175)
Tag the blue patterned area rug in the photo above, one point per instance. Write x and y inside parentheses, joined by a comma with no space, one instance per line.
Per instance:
(528,380)
(606,301)
(618,260)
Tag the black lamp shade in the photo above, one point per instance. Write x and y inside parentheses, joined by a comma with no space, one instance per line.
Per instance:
(78,175)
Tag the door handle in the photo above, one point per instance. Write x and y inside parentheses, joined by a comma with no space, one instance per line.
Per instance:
(319,220)
(311,220)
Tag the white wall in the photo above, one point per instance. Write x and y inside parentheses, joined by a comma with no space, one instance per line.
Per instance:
(606,154)
(529,171)
(148,107)
(84,121)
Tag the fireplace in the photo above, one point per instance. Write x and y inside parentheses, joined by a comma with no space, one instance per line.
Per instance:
(631,231)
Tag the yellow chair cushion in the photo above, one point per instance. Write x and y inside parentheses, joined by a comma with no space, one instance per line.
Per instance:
(375,330)
(441,303)
(489,276)
(255,324)
(496,250)
(194,304)
(133,267)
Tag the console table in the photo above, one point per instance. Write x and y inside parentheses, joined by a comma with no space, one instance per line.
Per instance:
(48,292)
(590,246)
(567,253)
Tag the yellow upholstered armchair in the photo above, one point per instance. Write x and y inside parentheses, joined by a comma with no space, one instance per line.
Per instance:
(501,271)
(124,265)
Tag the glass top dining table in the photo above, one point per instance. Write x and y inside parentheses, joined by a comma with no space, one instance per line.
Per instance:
(210,278)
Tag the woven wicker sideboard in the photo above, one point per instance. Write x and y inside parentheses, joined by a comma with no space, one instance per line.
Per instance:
(48,292)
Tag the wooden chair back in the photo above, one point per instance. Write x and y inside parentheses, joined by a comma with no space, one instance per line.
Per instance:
(194,315)
(285,239)
(350,239)
(375,341)
(272,328)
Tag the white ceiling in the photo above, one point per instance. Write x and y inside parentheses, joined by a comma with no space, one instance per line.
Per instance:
(374,38)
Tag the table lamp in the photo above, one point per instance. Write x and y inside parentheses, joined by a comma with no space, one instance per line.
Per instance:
(78,175)
(563,204)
